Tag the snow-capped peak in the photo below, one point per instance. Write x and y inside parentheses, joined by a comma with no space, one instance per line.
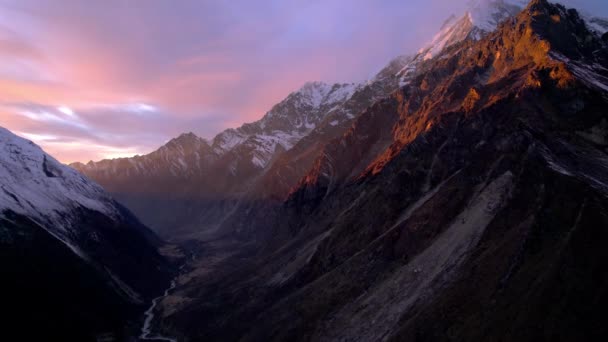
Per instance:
(483,16)
(287,122)
(487,14)
(454,32)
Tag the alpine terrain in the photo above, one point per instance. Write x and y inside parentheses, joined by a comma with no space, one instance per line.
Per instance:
(460,194)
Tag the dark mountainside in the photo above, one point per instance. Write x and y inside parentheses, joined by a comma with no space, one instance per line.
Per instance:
(470,204)
(54,294)
(75,264)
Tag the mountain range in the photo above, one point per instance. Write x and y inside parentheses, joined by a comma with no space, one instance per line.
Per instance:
(190,185)
(460,194)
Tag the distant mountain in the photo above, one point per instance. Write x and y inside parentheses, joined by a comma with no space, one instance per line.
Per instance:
(191,185)
(75,264)
(468,205)
(190,156)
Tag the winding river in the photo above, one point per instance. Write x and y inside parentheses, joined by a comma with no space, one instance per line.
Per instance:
(146,333)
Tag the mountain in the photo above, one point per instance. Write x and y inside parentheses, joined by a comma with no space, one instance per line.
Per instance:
(469,204)
(75,263)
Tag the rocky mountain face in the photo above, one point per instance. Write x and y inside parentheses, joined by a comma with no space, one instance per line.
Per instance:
(75,263)
(470,204)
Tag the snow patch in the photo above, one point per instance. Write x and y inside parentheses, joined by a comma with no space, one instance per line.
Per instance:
(589,75)
(227,140)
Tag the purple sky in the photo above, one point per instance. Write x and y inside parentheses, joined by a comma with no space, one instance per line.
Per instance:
(95,79)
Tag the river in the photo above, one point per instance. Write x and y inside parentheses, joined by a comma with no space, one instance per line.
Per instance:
(146,333)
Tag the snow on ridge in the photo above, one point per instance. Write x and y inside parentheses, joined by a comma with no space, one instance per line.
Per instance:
(34,184)
(266,145)
(302,109)
(340,93)
(448,36)
(590,75)
(227,140)
(482,17)
(598,25)
(314,92)
(317,94)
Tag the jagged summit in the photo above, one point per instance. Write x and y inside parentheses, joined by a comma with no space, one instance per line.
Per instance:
(188,136)
(303,109)
(487,14)
(481,18)
(189,141)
